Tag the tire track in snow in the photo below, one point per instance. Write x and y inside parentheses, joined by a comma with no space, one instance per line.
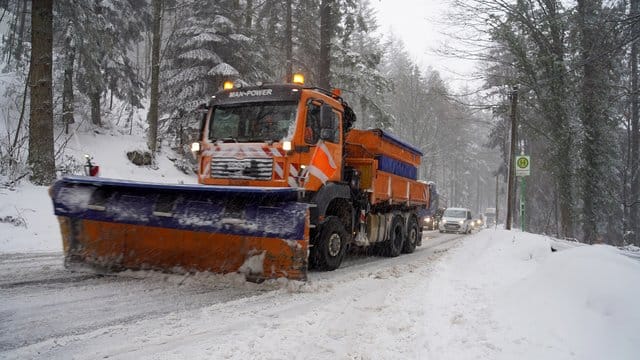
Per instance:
(50,303)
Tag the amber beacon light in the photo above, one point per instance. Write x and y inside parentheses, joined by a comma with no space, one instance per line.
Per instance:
(298,79)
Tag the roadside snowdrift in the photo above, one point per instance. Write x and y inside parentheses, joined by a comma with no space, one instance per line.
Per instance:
(506,295)
(26,213)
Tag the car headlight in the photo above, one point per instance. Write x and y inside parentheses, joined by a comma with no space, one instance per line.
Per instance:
(444,221)
(461,222)
(427,220)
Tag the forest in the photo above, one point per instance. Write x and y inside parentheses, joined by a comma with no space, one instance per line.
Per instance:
(68,66)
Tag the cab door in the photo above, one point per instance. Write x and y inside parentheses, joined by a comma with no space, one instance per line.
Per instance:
(323,136)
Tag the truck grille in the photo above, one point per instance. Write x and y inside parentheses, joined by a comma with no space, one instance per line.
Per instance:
(232,168)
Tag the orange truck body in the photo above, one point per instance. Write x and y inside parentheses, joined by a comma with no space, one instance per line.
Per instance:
(363,147)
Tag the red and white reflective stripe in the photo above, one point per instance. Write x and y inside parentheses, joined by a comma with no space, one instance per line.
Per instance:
(325,149)
(293,176)
(317,173)
(278,170)
(242,151)
(274,152)
(322,165)
(206,171)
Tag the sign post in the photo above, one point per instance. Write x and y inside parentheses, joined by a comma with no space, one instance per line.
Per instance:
(523,169)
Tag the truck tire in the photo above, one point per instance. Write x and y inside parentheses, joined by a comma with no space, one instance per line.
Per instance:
(413,236)
(331,244)
(393,246)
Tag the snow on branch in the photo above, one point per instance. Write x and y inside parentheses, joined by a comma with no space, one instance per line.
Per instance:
(240,38)
(186,76)
(201,54)
(223,24)
(203,38)
(223,69)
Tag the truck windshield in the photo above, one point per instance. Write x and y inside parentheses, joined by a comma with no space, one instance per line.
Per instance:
(255,122)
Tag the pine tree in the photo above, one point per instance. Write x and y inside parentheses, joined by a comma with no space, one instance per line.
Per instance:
(41,158)
(152,116)
(102,34)
(633,204)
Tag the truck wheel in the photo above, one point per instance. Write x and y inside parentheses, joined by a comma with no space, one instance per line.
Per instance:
(331,244)
(413,236)
(393,246)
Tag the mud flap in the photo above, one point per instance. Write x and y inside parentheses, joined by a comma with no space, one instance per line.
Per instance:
(116,225)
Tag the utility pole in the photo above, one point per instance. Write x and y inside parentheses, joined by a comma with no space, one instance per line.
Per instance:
(512,154)
(497,192)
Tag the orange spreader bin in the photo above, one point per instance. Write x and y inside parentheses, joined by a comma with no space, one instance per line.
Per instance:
(116,246)
(370,143)
(363,149)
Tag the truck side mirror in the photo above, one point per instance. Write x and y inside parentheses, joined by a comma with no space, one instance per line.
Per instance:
(327,117)
(328,123)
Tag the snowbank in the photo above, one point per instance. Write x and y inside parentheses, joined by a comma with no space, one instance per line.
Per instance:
(506,295)
(27,222)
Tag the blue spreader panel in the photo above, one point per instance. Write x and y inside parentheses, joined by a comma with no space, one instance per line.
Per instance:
(396,167)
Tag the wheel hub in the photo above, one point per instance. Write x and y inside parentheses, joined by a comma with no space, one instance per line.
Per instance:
(334,244)
(413,235)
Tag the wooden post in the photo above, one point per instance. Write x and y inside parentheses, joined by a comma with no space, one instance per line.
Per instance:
(512,154)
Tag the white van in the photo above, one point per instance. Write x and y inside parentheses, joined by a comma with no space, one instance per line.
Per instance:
(456,220)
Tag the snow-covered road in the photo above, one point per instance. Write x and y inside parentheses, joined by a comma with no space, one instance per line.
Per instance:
(49,312)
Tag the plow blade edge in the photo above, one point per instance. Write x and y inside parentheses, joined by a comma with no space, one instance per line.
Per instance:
(115,225)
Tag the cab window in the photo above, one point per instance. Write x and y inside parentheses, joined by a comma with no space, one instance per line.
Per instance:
(312,127)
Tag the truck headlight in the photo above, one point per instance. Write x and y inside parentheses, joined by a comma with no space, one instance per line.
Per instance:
(286,145)
(195,147)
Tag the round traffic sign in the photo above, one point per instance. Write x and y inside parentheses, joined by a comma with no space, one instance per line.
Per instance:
(523,163)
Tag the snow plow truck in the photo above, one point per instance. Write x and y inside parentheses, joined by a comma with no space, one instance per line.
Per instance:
(284,183)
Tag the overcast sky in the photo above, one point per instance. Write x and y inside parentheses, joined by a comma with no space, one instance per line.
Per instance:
(416,23)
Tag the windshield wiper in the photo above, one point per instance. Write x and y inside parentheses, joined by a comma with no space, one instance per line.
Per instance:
(266,140)
(227,139)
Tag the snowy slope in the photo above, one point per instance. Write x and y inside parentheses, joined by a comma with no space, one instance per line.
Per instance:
(34,229)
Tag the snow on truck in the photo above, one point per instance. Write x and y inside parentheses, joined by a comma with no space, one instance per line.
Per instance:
(285,183)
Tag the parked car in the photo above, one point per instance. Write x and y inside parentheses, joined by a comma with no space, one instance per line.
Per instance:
(490,217)
(432,222)
(456,220)
(478,222)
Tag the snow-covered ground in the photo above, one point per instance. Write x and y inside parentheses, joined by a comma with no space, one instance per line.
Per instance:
(495,294)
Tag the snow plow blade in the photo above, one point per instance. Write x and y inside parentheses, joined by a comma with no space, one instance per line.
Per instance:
(114,225)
